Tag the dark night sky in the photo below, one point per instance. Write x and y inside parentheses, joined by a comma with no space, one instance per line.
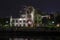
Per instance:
(12,7)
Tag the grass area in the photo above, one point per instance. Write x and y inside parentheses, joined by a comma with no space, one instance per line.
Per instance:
(5,27)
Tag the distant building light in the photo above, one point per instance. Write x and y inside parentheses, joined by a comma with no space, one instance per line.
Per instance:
(57,25)
(6,21)
(52,21)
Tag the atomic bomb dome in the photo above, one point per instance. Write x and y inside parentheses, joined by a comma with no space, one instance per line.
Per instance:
(27,17)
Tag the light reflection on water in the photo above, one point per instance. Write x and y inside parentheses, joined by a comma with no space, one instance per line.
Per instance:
(25,39)
(36,38)
(32,38)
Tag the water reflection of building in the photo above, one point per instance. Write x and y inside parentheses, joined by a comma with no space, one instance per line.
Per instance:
(36,38)
(29,38)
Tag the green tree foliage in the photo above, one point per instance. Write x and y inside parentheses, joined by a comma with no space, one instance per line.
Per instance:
(37,17)
(4,22)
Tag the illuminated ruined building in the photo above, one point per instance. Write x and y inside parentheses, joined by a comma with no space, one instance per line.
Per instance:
(27,19)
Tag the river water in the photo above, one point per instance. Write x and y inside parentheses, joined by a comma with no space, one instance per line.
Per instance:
(29,35)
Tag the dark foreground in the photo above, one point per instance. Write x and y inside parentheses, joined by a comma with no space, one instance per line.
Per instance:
(29,35)
(25,34)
